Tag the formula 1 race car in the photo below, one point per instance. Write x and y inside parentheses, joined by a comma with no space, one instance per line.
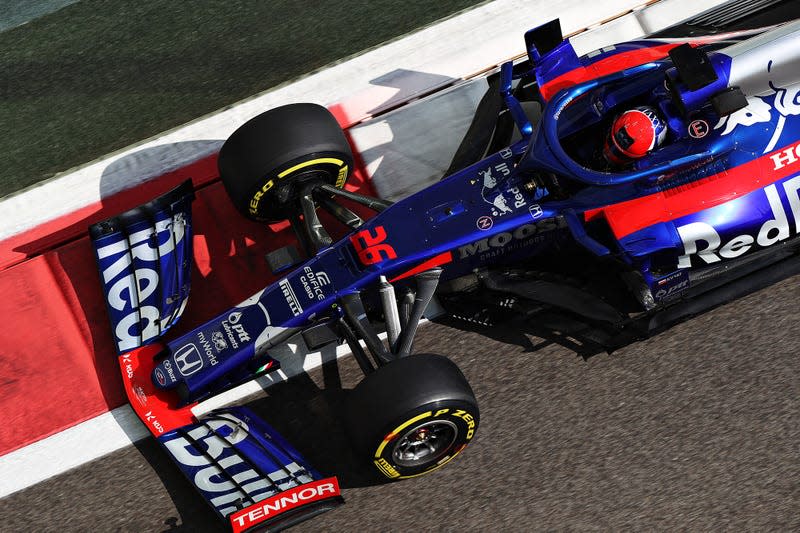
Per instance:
(536,220)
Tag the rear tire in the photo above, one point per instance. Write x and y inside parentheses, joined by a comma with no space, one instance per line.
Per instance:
(267,160)
(412,416)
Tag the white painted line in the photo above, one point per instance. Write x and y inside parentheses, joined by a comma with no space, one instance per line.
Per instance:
(19,13)
(69,449)
(453,49)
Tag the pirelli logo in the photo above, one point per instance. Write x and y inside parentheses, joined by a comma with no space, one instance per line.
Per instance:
(291,297)
(387,469)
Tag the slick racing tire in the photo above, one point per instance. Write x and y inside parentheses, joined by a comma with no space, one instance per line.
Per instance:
(412,415)
(265,163)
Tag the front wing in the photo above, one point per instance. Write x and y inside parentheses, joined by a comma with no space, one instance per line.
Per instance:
(246,471)
(250,475)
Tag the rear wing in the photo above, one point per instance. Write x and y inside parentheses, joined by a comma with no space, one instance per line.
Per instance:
(145,256)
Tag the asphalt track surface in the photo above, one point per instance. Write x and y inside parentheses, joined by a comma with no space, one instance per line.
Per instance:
(694,429)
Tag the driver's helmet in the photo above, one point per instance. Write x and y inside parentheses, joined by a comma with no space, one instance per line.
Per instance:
(634,134)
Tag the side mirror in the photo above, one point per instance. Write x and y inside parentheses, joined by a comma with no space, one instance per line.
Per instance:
(542,39)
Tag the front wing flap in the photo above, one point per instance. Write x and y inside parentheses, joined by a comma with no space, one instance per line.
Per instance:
(145,256)
(246,471)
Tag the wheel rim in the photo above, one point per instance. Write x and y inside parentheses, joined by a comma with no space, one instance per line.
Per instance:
(425,443)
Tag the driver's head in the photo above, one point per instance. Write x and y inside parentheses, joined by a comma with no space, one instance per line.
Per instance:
(634,134)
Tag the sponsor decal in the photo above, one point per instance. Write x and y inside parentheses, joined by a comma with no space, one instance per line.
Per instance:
(786,102)
(507,241)
(141,397)
(386,469)
(506,153)
(236,332)
(151,418)
(502,168)
(219,341)
(160,377)
(170,372)
(204,342)
(671,277)
(669,291)
(698,129)
(370,247)
(285,501)
(188,358)
(291,297)
(491,196)
(536,211)
(466,417)
(127,292)
(341,177)
(499,200)
(519,199)
(786,157)
(203,454)
(128,366)
(702,243)
(484,223)
(313,283)
(234,319)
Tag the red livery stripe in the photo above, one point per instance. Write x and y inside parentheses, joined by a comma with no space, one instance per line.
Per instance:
(606,66)
(440,259)
(630,216)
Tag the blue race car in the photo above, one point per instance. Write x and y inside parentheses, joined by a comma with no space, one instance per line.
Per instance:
(613,195)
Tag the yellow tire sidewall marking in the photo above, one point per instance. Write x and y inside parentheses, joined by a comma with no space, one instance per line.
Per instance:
(390,472)
(320,161)
(253,205)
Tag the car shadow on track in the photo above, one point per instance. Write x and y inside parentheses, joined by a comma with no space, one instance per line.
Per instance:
(193,514)
(310,418)
(533,336)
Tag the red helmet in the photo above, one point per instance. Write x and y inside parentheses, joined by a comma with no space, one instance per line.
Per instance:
(634,134)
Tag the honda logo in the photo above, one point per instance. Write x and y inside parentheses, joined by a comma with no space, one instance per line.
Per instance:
(188,360)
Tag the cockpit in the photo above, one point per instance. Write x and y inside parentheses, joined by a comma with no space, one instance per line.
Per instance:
(579,131)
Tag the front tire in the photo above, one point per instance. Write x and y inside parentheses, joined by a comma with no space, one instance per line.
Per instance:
(412,416)
(265,163)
